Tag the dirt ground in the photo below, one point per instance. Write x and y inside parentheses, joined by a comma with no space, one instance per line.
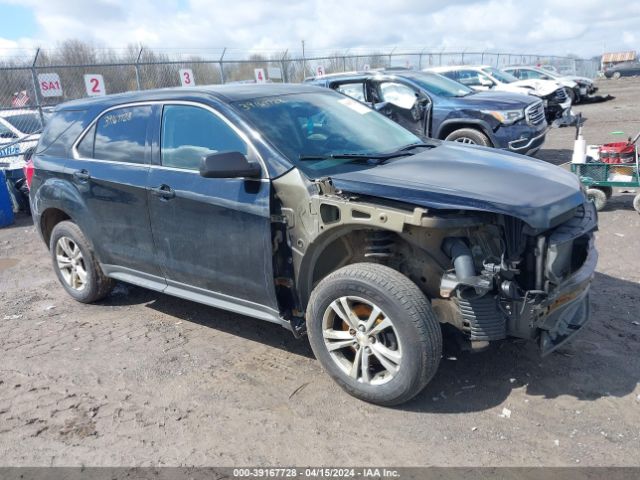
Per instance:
(146,379)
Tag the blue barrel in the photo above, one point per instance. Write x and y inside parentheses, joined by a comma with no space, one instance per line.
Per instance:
(6,208)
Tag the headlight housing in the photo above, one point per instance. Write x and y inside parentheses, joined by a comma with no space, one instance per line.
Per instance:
(506,117)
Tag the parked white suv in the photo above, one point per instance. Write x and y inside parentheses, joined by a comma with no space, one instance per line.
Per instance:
(579,87)
(556,101)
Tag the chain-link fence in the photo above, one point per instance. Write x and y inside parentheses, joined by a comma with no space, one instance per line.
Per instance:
(32,83)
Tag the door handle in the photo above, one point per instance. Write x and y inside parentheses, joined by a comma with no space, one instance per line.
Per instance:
(163,191)
(82,175)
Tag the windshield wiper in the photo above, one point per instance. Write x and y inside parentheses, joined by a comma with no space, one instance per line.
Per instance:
(378,157)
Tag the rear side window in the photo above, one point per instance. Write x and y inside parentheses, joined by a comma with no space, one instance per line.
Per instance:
(120,136)
(190,133)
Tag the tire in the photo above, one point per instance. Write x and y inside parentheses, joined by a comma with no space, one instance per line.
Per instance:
(636,203)
(608,191)
(616,75)
(68,243)
(469,136)
(598,197)
(412,336)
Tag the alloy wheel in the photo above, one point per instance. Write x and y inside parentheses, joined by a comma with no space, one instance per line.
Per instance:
(71,263)
(466,140)
(362,340)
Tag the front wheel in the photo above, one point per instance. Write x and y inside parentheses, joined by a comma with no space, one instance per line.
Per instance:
(636,203)
(470,136)
(374,332)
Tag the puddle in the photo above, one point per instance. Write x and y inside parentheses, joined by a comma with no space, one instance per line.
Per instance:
(7,263)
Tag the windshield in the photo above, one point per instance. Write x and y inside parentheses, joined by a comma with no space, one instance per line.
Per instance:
(26,123)
(501,76)
(310,128)
(440,85)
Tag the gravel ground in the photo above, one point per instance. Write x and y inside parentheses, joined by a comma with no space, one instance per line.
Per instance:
(146,379)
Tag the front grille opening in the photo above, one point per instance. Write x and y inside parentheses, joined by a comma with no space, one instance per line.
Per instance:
(580,252)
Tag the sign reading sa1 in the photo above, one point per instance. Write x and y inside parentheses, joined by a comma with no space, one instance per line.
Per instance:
(94,85)
(50,85)
(186,77)
(260,76)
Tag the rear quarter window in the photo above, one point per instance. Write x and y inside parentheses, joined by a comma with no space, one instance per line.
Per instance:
(61,131)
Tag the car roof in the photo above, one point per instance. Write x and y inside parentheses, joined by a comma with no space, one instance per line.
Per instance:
(16,111)
(224,93)
(448,68)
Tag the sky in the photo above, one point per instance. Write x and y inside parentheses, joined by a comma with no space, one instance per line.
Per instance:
(582,27)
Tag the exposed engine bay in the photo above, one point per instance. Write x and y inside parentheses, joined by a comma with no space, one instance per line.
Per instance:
(491,276)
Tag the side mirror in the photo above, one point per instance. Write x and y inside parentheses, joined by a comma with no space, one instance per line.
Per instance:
(228,165)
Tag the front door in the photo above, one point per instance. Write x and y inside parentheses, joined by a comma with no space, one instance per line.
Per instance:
(403,105)
(213,235)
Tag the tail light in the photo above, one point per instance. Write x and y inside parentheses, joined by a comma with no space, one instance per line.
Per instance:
(28,172)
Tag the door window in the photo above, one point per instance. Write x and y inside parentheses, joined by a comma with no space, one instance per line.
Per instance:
(120,136)
(191,133)
(398,94)
(354,90)
(470,78)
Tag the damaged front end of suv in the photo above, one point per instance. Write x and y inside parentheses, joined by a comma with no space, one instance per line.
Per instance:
(486,272)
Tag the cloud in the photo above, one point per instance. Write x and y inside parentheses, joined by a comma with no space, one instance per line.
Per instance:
(584,27)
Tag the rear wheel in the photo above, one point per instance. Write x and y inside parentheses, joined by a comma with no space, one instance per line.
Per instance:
(598,197)
(636,203)
(470,136)
(616,75)
(76,266)
(374,332)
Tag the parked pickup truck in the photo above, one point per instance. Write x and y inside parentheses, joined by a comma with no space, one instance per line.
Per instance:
(300,206)
(432,105)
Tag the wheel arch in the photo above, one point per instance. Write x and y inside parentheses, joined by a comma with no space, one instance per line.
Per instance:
(450,126)
(55,201)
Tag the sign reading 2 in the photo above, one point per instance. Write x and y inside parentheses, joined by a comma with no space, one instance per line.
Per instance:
(94,85)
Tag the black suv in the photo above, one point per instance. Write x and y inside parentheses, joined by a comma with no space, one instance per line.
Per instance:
(300,206)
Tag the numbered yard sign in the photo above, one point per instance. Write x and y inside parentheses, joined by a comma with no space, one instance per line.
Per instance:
(320,70)
(366,67)
(94,85)
(186,77)
(259,74)
(50,85)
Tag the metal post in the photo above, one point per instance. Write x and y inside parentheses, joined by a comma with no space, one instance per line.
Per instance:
(420,59)
(391,54)
(224,50)
(34,80)
(304,62)
(137,67)
(482,57)
(498,60)
(285,78)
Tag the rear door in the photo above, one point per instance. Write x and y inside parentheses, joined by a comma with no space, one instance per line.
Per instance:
(110,169)
(213,235)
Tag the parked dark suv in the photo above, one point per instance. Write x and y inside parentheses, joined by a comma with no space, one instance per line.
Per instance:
(300,206)
(435,106)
